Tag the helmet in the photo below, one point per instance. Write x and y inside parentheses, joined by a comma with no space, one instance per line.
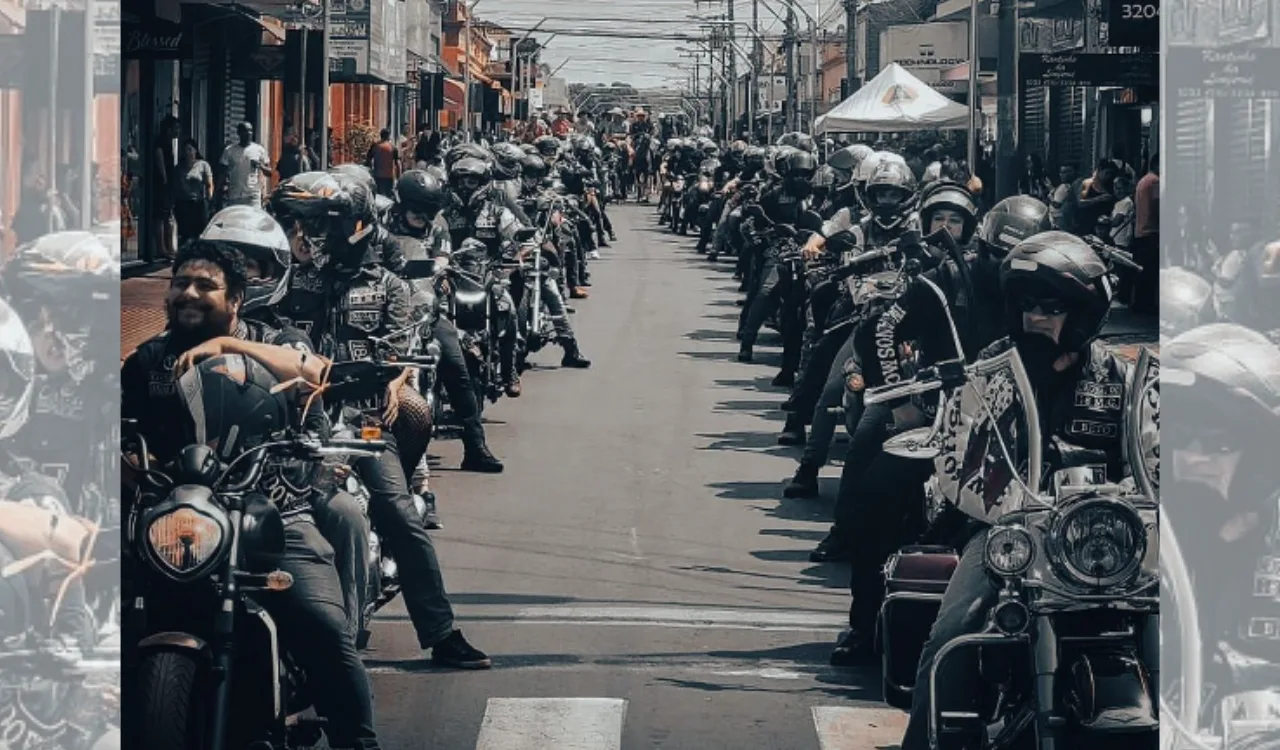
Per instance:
(1228,390)
(952,197)
(547,145)
(466,151)
(753,159)
(867,167)
(529,149)
(259,238)
(1009,222)
(672,144)
(775,161)
(345,173)
(468,176)
(17,372)
(1186,301)
(421,192)
(353,222)
(508,161)
(535,168)
(890,193)
(845,161)
(708,147)
(1061,267)
(824,178)
(800,165)
(306,199)
(62,268)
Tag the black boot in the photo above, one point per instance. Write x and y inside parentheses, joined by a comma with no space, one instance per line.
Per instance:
(745,352)
(792,431)
(803,484)
(431,519)
(476,455)
(857,649)
(784,379)
(573,355)
(830,549)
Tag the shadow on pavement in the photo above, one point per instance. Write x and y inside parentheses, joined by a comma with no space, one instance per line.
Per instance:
(762,409)
(710,334)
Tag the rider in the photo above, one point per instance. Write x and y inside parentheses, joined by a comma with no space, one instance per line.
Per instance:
(1245,285)
(782,205)
(333,228)
(1057,294)
(206,294)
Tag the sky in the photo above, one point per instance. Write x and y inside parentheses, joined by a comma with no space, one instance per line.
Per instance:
(626,51)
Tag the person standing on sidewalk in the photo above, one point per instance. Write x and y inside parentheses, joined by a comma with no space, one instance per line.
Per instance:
(192,191)
(244,168)
(162,191)
(1146,237)
(383,161)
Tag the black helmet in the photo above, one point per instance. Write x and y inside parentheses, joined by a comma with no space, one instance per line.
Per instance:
(800,165)
(353,223)
(17,372)
(1011,221)
(467,176)
(952,197)
(422,193)
(466,151)
(306,199)
(1064,268)
(345,173)
(890,194)
(1186,301)
(1227,379)
(753,159)
(529,149)
(508,161)
(259,238)
(548,146)
(535,168)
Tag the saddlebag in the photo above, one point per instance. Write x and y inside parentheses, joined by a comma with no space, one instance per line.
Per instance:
(1109,691)
(915,579)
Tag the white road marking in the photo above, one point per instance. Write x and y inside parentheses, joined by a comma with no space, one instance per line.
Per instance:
(689,617)
(778,671)
(635,544)
(857,728)
(552,724)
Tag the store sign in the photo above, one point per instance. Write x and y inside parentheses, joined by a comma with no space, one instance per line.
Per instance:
(152,40)
(927,50)
(387,41)
(1073,69)
(1132,23)
(1057,34)
(1203,73)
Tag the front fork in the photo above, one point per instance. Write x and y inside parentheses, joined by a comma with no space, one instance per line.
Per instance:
(224,632)
(1044,652)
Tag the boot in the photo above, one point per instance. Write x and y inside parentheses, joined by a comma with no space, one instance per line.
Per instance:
(702,247)
(612,237)
(792,431)
(513,388)
(745,352)
(578,292)
(573,355)
(476,455)
(600,241)
(830,549)
(784,379)
(803,484)
(431,519)
(857,649)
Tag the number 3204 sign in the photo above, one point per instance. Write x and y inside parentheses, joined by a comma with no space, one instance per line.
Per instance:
(1133,23)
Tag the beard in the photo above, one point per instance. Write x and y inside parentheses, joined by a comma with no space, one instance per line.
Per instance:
(1038,353)
(213,322)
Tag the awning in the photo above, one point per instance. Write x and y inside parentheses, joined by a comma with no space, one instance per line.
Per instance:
(454,94)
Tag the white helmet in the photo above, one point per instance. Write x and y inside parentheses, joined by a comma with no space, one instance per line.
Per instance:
(255,233)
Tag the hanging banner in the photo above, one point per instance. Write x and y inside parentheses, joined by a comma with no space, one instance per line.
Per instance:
(1071,69)
(1203,73)
(928,49)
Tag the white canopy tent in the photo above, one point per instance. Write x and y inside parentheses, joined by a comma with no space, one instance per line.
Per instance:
(894,101)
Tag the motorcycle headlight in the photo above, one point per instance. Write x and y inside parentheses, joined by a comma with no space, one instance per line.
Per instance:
(1010,550)
(184,539)
(1099,542)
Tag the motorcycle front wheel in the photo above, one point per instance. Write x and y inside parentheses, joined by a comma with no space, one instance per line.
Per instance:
(172,714)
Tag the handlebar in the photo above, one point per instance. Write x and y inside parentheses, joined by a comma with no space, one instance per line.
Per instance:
(1112,253)
(943,374)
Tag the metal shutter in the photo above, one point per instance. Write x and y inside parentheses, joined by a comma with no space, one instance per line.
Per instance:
(1188,155)
(236,97)
(201,61)
(1244,131)
(1034,135)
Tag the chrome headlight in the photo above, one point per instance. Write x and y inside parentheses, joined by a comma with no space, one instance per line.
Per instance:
(1098,542)
(184,540)
(1010,550)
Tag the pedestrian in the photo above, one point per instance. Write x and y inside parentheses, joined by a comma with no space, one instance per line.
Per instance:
(293,157)
(1034,181)
(1094,198)
(1146,237)
(405,148)
(423,155)
(192,192)
(1120,233)
(382,160)
(163,165)
(245,165)
(1061,205)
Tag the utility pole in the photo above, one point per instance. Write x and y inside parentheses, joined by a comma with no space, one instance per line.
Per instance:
(1006,102)
(466,92)
(852,84)
(732,131)
(789,47)
(324,88)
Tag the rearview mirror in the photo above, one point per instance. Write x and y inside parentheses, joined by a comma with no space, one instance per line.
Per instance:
(917,443)
(419,269)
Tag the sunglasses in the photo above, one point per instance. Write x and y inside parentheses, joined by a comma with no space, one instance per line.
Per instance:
(1043,306)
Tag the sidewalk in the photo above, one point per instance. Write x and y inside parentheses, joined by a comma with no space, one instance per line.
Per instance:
(141,309)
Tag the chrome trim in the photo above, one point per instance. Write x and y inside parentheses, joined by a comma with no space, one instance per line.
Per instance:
(913,596)
(270,624)
(973,639)
(1014,527)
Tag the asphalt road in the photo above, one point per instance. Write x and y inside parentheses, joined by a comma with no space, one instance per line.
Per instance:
(634,574)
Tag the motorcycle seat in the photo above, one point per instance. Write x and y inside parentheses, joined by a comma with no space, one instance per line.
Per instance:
(924,569)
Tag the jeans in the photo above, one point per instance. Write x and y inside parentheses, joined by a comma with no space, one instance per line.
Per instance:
(970,596)
(453,372)
(312,615)
(345,527)
(818,446)
(763,298)
(827,355)
(865,440)
(400,528)
(885,512)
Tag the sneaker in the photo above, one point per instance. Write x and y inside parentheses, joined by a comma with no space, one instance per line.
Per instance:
(594,255)
(431,519)
(455,652)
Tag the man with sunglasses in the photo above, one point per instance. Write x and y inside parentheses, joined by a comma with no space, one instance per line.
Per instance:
(1057,295)
(342,299)
(204,307)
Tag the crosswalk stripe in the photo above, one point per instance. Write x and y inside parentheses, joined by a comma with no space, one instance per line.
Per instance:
(858,728)
(690,617)
(552,724)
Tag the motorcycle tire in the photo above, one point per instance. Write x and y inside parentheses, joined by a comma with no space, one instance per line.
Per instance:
(172,714)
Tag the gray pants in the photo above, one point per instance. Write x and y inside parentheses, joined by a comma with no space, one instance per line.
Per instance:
(346,529)
(970,596)
(823,430)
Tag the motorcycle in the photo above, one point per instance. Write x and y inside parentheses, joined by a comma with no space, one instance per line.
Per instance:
(697,200)
(1065,652)
(213,671)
